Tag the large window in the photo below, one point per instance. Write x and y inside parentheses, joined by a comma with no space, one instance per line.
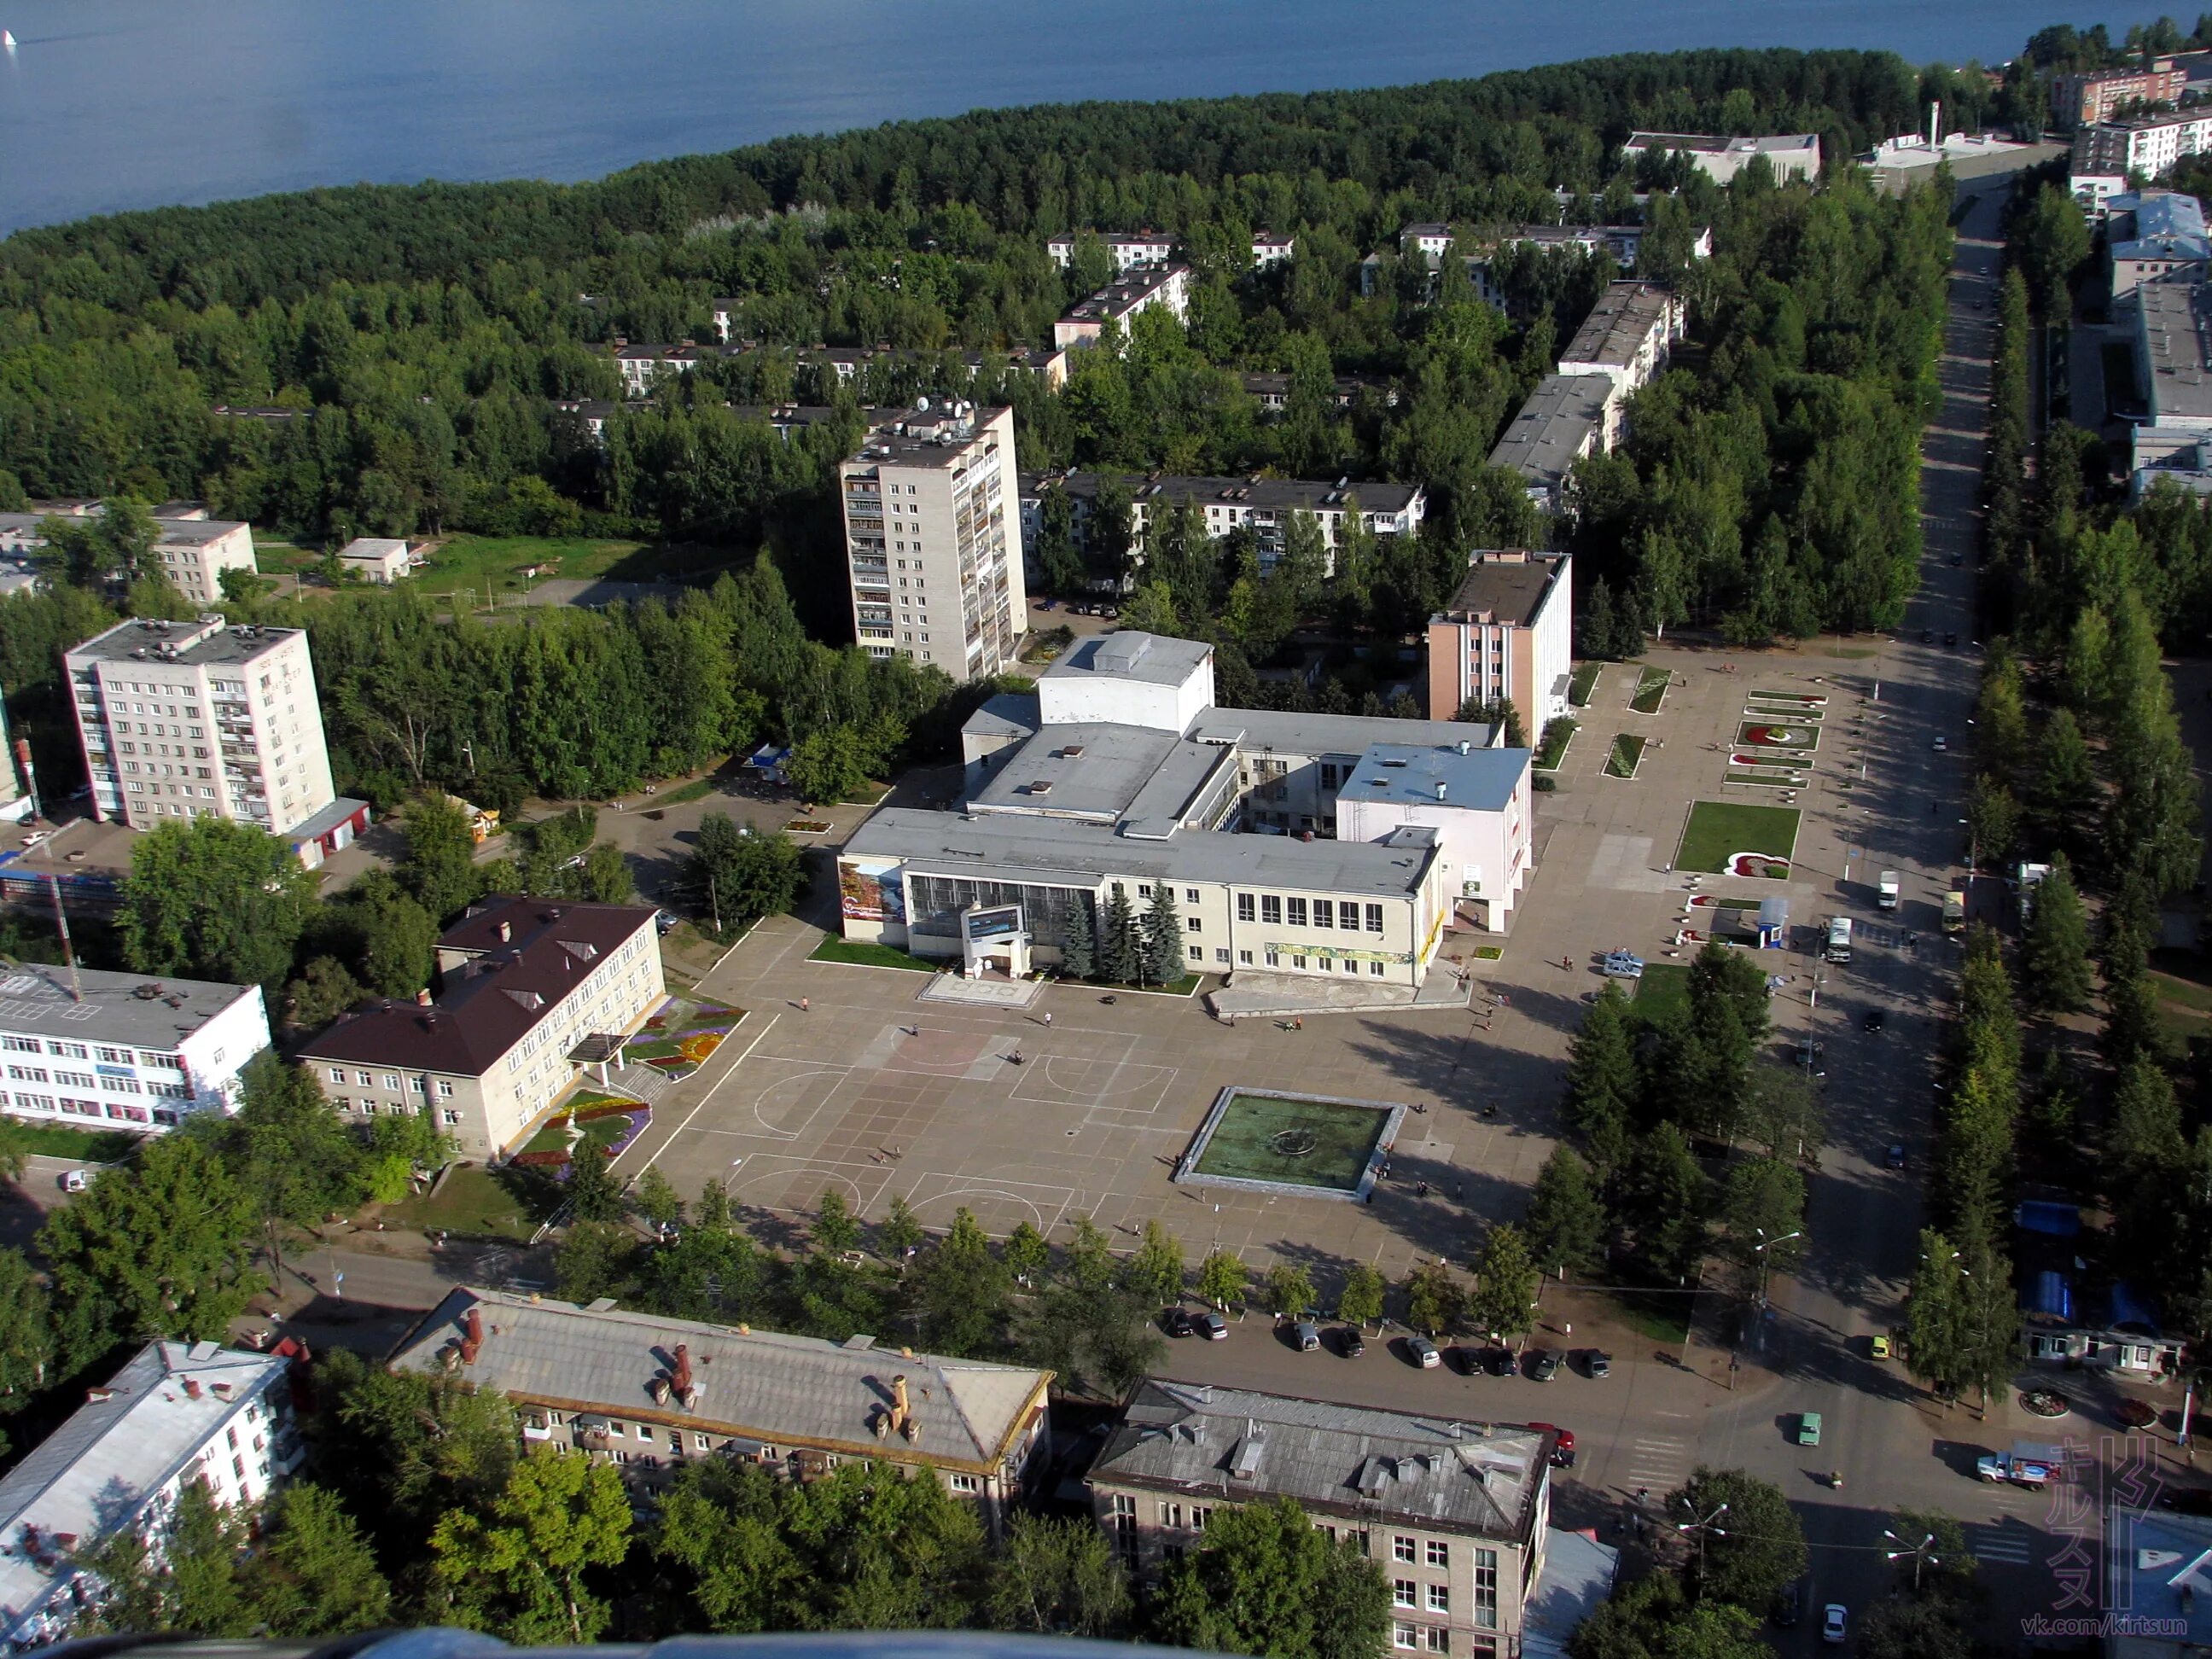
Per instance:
(1486,1589)
(938,902)
(1271,909)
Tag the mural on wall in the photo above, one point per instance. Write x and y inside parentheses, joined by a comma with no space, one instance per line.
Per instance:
(869,889)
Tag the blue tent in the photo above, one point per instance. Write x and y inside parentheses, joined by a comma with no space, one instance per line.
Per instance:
(2039,1215)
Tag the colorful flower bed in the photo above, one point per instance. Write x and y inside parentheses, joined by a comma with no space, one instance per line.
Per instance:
(1779,736)
(1759,866)
(1797,699)
(678,1042)
(807,826)
(608,1126)
(1793,759)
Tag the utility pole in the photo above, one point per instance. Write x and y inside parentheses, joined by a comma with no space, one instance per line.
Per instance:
(1918,1552)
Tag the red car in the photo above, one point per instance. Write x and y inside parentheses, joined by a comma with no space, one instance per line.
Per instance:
(1563,1454)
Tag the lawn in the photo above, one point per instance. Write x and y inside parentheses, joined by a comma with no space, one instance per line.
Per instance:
(1715,832)
(1583,683)
(1558,734)
(80,1146)
(1651,690)
(1627,755)
(861,953)
(474,1203)
(1307,1143)
(1664,987)
(678,1039)
(601,1132)
(1659,1318)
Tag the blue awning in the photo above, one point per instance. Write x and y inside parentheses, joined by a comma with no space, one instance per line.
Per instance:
(2039,1215)
(2046,1296)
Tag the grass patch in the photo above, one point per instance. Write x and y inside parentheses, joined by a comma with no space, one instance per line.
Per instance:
(1716,829)
(1766,780)
(1307,1143)
(697,789)
(82,1145)
(865,953)
(1815,699)
(1627,755)
(599,1132)
(1583,683)
(2183,993)
(1657,1318)
(1488,952)
(475,1202)
(1664,988)
(1558,734)
(1651,690)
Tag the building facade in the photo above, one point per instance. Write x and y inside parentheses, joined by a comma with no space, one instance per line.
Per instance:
(1456,1515)
(1791,154)
(1126,250)
(530,992)
(200,719)
(642,366)
(1509,632)
(382,560)
(125,1050)
(936,574)
(1139,288)
(2146,144)
(2155,236)
(190,549)
(178,1414)
(653,1394)
(2086,98)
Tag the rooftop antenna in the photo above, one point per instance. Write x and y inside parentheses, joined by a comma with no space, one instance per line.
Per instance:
(61,926)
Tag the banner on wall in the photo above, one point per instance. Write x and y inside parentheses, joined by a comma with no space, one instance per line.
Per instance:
(869,889)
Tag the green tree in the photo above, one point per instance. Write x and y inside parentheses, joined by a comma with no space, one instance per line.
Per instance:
(1078,949)
(1566,1218)
(318,1575)
(1360,1301)
(901,1232)
(194,1586)
(1162,948)
(1117,942)
(516,1570)
(1057,1576)
(440,866)
(1668,1197)
(1782,1112)
(160,1248)
(1758,1549)
(2066,793)
(1290,1289)
(829,765)
(835,1232)
(1434,1299)
(959,1290)
(592,1192)
(2054,949)
(737,876)
(1602,1085)
(1506,1280)
(1266,1580)
(657,1199)
(1155,1274)
(2052,241)
(1027,1254)
(1221,1278)
(27,1332)
(1992,820)
(322,991)
(594,1259)
(398,937)
(210,898)
(289,1152)
(400,1448)
(1762,1206)
(1652,1619)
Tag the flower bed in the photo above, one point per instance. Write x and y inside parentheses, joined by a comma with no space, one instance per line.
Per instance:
(1627,755)
(1553,747)
(1758,866)
(807,826)
(1651,690)
(1796,760)
(1762,736)
(1801,699)
(1766,777)
(608,1126)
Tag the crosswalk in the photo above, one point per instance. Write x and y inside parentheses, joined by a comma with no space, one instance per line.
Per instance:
(1659,1461)
(2009,1543)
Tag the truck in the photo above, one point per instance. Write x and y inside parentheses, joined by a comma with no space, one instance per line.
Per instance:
(1885,892)
(2026,878)
(1840,939)
(1954,913)
(2029,1463)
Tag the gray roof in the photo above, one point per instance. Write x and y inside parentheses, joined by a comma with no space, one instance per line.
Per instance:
(1504,590)
(1617,325)
(93,1474)
(221,647)
(1274,729)
(1553,428)
(1155,658)
(1005,714)
(1397,774)
(2176,338)
(1166,490)
(169,532)
(1085,769)
(1438,1473)
(1058,851)
(919,438)
(1579,1575)
(1124,293)
(783,1391)
(138,1009)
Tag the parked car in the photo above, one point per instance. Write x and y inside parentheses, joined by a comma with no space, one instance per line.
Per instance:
(1790,1606)
(1601,1364)
(1942,745)
(1563,1451)
(1176,1321)
(1307,1335)
(1927,636)
(1498,1362)
(1894,1157)
(1622,964)
(1423,1353)
(1809,1428)
(1835,1622)
(1212,1327)
(1879,1348)
(1543,1364)
(1350,1343)
(1875,1019)
(75,1180)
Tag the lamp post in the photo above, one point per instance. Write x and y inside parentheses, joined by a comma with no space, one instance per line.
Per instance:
(1760,1249)
(1702,1528)
(1918,1552)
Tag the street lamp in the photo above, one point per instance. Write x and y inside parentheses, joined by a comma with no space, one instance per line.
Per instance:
(1702,1528)
(1760,1249)
(1918,1552)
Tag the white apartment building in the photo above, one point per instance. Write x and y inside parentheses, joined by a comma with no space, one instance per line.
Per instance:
(1457,1515)
(651,1395)
(1426,242)
(1263,505)
(125,1050)
(1791,154)
(1270,249)
(643,364)
(1143,247)
(1138,289)
(1626,338)
(191,550)
(178,1413)
(936,575)
(186,720)
(530,992)
(1566,417)
(1508,632)
(2148,144)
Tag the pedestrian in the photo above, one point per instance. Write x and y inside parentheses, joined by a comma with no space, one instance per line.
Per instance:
(1047,1019)
(1459,1189)
(807,1005)
(1421,1190)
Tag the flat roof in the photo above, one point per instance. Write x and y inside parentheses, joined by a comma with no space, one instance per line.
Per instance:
(1552,429)
(1406,775)
(1002,847)
(934,437)
(170,532)
(89,1477)
(1269,729)
(1090,769)
(781,1391)
(145,1011)
(1436,1472)
(1707,143)
(1005,714)
(2175,340)
(1124,293)
(1263,495)
(1128,654)
(197,645)
(373,547)
(1617,325)
(1504,590)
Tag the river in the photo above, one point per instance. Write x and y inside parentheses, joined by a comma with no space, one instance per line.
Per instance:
(109,104)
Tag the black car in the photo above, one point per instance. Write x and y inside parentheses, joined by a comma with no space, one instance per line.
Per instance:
(1543,1364)
(1950,639)
(1895,1155)
(1350,1343)
(1927,636)
(1498,1362)
(1176,1322)
(1875,1019)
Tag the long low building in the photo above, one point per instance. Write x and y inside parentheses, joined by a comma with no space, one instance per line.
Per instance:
(1626,338)
(1139,288)
(1566,417)
(1289,843)
(653,1394)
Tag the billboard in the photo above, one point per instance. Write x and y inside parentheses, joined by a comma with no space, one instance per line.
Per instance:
(996,922)
(869,889)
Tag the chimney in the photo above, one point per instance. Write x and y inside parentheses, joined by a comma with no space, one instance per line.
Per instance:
(1440,789)
(506,932)
(192,1388)
(681,1376)
(1463,745)
(472,1337)
(422,998)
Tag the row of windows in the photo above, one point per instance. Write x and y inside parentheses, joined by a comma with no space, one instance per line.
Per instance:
(1405,1593)
(25,1045)
(1292,912)
(392,1109)
(70,1106)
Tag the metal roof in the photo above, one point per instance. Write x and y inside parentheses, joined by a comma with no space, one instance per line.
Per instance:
(785,1391)
(1440,1473)
(142,1010)
(1404,774)
(1560,423)
(1154,659)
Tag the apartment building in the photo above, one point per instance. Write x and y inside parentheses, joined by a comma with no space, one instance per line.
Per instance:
(529,991)
(185,720)
(1126,249)
(176,1415)
(2155,236)
(1457,1514)
(1508,632)
(1272,391)
(1426,243)
(125,1051)
(2145,144)
(191,550)
(1626,338)
(1263,505)
(852,363)
(926,499)
(1566,417)
(1270,249)
(653,1394)
(643,366)
(17,803)
(2086,98)
(1791,154)
(1139,289)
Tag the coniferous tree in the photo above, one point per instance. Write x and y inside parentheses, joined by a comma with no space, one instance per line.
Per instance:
(1117,941)
(1602,1083)
(1162,945)
(1079,957)
(2054,954)
(1566,1223)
